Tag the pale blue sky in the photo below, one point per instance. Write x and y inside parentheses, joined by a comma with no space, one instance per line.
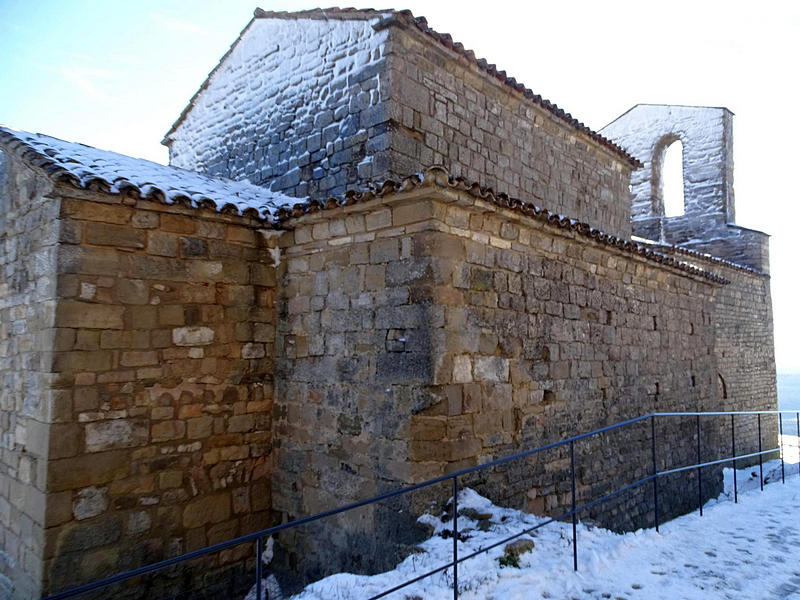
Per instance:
(117,74)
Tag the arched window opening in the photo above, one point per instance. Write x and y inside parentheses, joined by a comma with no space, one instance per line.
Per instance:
(672,180)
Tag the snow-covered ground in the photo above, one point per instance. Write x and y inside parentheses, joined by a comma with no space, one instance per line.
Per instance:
(749,550)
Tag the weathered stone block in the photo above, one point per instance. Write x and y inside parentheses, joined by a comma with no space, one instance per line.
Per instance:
(91,316)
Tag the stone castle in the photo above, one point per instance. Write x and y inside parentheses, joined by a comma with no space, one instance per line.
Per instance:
(374,259)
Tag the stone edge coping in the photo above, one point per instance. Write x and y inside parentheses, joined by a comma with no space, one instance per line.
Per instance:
(435,176)
(405,18)
(59,174)
(702,255)
(438,177)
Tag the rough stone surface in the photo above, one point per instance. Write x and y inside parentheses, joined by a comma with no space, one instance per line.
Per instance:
(708,224)
(115,430)
(349,102)
(174,377)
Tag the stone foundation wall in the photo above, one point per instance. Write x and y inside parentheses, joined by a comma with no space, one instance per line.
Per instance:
(163,356)
(29,230)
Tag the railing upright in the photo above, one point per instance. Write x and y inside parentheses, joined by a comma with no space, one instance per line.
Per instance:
(760,456)
(699,470)
(455,537)
(259,567)
(733,453)
(780,437)
(655,468)
(574,511)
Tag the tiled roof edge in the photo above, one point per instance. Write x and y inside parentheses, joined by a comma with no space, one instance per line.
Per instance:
(59,174)
(701,255)
(439,177)
(333,12)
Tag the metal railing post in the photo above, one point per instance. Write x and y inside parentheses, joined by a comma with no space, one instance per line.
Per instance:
(259,568)
(655,468)
(699,470)
(783,458)
(455,538)
(574,504)
(733,454)
(760,456)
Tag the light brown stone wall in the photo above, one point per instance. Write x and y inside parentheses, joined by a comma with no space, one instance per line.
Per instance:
(444,110)
(550,335)
(163,356)
(29,230)
(429,331)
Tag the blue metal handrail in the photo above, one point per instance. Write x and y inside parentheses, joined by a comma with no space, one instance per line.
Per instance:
(259,536)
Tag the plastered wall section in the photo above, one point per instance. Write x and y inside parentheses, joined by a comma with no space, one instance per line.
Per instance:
(163,359)
(446,111)
(29,229)
(296,107)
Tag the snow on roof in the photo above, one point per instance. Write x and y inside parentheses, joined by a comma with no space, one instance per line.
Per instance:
(406,18)
(85,166)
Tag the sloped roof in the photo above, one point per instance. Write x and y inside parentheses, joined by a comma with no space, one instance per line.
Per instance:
(406,18)
(88,167)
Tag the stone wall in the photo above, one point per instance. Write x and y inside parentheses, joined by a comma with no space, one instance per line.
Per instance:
(445,110)
(357,99)
(706,134)
(163,356)
(296,106)
(707,226)
(550,335)
(356,351)
(29,230)
(745,351)
(429,332)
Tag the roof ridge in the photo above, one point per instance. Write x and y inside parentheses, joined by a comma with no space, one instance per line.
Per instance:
(323,13)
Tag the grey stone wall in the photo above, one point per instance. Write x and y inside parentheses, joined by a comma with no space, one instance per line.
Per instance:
(745,351)
(28,241)
(351,101)
(296,106)
(431,331)
(446,111)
